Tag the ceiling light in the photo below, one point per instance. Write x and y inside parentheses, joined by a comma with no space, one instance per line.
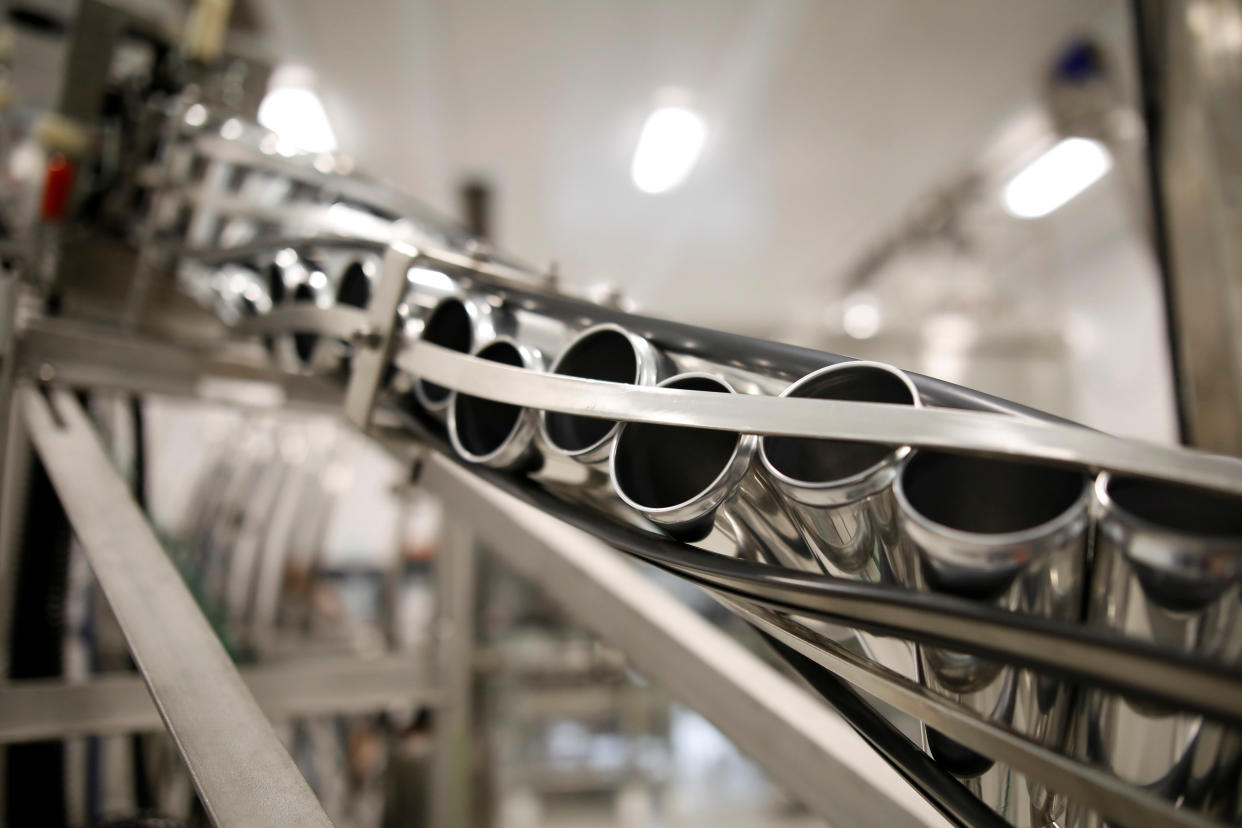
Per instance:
(293,111)
(668,146)
(861,318)
(1055,177)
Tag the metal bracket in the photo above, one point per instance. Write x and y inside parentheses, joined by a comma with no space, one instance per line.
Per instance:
(373,345)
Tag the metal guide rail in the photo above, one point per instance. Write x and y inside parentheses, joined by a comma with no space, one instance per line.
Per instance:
(241,770)
(1059,606)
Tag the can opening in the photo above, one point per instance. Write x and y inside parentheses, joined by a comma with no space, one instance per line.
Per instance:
(604,355)
(1177,507)
(355,288)
(987,496)
(449,326)
(660,466)
(484,425)
(822,461)
(1172,577)
(304,343)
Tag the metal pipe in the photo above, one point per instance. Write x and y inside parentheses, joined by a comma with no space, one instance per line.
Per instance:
(688,481)
(497,434)
(1167,567)
(1014,536)
(351,276)
(353,283)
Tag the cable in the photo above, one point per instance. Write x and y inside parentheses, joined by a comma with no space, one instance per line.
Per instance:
(1057,648)
(936,785)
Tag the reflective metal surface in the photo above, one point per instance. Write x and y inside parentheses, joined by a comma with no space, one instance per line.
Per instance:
(840,493)
(458,323)
(691,481)
(604,353)
(965,431)
(1120,802)
(1014,536)
(1058,647)
(1168,568)
(497,434)
(242,773)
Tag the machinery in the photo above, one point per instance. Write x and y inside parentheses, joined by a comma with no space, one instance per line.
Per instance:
(1058,608)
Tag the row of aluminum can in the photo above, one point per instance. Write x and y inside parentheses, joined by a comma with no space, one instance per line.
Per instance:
(1144,559)
(1153,561)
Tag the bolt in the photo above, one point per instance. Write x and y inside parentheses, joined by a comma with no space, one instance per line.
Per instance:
(367,338)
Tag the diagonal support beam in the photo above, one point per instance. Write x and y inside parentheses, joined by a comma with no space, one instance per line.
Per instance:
(243,774)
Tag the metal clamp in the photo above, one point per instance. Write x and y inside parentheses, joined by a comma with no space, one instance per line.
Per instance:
(375,341)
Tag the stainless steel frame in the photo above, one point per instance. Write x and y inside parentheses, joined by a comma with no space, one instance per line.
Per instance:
(239,767)
(803,744)
(797,739)
(242,773)
(53,709)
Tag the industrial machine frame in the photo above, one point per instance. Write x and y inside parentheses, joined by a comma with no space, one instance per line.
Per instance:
(847,766)
(247,778)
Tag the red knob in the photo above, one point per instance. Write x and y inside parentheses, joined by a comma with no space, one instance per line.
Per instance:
(56,187)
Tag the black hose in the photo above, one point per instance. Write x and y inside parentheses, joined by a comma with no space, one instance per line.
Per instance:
(35,771)
(939,787)
(144,794)
(823,596)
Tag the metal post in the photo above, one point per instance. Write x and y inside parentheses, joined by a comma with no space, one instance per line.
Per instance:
(13,476)
(455,592)
(14,472)
(1191,66)
(242,773)
(373,346)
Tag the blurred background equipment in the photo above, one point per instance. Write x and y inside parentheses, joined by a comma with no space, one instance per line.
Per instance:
(318,507)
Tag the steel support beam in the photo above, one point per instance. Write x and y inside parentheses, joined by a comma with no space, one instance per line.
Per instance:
(303,686)
(1191,62)
(243,774)
(93,356)
(801,743)
(453,800)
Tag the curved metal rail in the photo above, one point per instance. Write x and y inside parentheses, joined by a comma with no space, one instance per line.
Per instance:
(771,598)
(978,432)
(1059,648)
(964,431)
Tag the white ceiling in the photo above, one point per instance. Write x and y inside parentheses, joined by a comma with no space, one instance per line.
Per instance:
(827,119)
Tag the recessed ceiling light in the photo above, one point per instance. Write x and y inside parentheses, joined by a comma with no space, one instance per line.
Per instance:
(1055,177)
(668,147)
